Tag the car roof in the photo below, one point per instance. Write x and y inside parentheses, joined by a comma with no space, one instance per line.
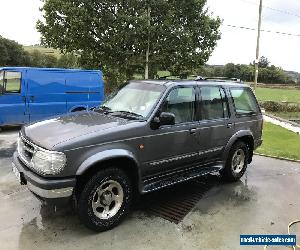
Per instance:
(168,83)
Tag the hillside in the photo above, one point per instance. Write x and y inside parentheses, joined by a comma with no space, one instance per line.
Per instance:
(43,50)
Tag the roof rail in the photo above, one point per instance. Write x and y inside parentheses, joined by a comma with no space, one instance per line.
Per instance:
(223,79)
(200,78)
(174,77)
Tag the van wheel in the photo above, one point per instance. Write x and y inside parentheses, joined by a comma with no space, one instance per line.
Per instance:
(105,199)
(236,163)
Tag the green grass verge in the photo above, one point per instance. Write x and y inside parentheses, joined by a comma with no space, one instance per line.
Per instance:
(280,142)
(278,95)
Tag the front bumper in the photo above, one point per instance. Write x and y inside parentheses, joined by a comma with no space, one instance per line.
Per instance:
(44,188)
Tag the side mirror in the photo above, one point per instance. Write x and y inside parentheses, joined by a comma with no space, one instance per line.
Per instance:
(167,118)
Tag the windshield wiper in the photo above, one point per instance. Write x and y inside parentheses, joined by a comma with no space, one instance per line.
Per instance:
(128,114)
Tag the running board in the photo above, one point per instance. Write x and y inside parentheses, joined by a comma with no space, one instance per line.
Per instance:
(165,181)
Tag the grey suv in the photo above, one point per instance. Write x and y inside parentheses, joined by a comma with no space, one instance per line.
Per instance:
(146,136)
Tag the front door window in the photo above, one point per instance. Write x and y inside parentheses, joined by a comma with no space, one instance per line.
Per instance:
(12,82)
(181,102)
(1,82)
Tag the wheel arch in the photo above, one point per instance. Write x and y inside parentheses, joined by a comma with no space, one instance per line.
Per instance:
(247,137)
(78,108)
(120,158)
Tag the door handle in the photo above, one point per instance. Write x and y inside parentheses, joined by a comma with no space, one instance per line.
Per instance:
(193,131)
(31,98)
(229,125)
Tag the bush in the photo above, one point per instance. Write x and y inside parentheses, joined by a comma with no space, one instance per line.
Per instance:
(272,106)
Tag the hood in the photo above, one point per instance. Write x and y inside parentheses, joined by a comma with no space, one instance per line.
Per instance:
(49,133)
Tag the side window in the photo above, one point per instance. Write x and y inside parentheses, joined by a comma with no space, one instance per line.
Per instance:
(181,102)
(1,82)
(244,101)
(213,106)
(12,82)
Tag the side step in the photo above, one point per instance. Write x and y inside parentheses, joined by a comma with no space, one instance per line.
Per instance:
(165,181)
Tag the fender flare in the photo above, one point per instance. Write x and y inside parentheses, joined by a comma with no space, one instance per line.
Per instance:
(106,155)
(233,139)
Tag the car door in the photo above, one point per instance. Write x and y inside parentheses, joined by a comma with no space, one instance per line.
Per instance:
(171,147)
(215,123)
(12,98)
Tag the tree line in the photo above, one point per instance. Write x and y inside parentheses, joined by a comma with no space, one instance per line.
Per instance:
(13,54)
(268,73)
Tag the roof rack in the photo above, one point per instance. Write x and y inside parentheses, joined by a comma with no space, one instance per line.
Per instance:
(223,79)
(174,77)
(200,78)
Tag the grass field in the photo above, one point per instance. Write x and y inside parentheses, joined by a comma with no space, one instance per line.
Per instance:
(278,95)
(280,142)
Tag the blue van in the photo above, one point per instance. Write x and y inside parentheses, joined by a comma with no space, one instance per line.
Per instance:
(32,94)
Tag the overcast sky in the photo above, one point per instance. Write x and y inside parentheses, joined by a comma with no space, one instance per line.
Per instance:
(18,19)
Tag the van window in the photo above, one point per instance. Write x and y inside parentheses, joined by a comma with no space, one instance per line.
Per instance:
(12,82)
(244,101)
(213,106)
(1,82)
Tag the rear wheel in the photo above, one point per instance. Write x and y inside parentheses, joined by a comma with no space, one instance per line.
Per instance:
(236,163)
(105,200)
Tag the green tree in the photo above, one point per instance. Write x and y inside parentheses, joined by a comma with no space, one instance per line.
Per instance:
(38,59)
(68,60)
(263,62)
(176,35)
(12,53)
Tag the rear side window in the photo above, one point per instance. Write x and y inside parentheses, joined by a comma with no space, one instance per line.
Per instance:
(244,101)
(12,82)
(213,103)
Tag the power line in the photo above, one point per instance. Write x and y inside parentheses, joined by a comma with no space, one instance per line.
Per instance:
(274,9)
(268,31)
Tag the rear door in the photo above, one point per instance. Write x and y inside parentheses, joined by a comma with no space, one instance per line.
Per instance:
(215,124)
(46,94)
(12,98)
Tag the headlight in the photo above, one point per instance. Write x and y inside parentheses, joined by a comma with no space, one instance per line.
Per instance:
(48,162)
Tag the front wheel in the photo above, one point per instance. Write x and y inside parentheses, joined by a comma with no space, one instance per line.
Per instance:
(105,200)
(236,163)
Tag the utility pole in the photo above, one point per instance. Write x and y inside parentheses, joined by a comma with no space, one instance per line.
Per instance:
(148,44)
(257,46)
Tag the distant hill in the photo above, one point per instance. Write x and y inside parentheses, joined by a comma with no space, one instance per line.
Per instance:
(43,50)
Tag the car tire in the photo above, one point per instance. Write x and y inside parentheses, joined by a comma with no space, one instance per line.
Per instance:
(236,163)
(105,199)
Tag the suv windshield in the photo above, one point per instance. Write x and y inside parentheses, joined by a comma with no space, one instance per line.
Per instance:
(135,98)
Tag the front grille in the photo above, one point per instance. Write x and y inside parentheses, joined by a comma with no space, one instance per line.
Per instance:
(25,150)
